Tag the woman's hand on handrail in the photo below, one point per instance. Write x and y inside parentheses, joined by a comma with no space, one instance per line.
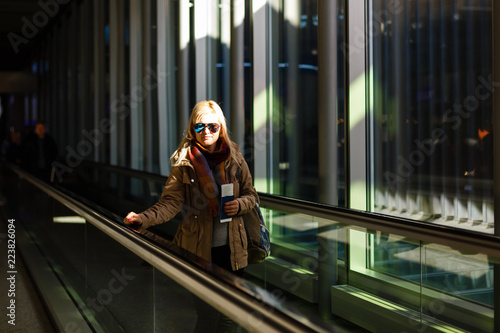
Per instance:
(133,221)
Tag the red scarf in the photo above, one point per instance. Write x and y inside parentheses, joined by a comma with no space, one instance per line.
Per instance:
(200,158)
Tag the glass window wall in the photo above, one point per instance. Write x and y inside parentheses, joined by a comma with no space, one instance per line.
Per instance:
(428,113)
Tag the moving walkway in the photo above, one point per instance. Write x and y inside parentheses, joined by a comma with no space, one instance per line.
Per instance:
(331,269)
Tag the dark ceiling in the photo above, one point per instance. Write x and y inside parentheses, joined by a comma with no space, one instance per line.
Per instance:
(21,23)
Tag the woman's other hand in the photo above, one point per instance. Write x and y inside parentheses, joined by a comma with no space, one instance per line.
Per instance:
(232,207)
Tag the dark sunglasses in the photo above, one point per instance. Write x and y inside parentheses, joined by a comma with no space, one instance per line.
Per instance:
(200,127)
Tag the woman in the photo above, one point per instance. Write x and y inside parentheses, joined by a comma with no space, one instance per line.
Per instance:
(205,160)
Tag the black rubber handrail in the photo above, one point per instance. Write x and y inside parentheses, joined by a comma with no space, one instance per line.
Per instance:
(459,239)
(132,173)
(456,238)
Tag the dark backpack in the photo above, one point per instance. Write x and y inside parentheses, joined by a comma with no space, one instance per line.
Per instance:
(259,242)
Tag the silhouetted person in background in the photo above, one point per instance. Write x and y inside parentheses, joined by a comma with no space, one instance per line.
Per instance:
(39,150)
(11,148)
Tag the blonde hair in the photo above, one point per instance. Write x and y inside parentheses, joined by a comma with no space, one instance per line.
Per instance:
(200,110)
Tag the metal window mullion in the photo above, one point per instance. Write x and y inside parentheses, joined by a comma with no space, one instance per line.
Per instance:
(183,77)
(46,86)
(71,123)
(42,76)
(290,120)
(373,194)
(260,94)
(149,119)
(356,134)
(53,77)
(46,75)
(116,74)
(99,75)
(137,93)
(496,120)
(63,81)
(495,15)
(59,60)
(327,139)
(84,90)
(213,39)
(26,106)
(356,111)
(236,80)
(226,48)
(433,58)
(38,92)
(274,106)
(202,58)
(167,117)
(39,96)
(447,202)
(399,109)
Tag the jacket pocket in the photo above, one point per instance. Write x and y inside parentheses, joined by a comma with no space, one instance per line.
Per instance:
(243,234)
(188,235)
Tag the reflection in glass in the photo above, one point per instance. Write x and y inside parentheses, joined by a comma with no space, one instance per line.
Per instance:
(438,267)
(432,140)
(447,280)
(304,264)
